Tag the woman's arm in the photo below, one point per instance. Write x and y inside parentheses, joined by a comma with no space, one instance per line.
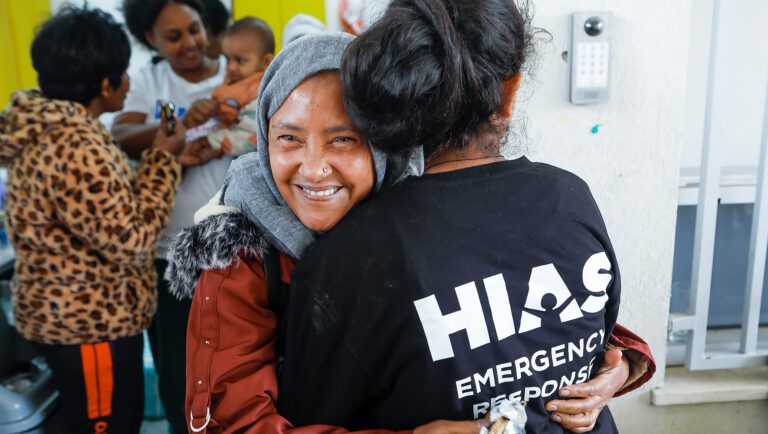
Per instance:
(582,403)
(231,359)
(628,365)
(642,366)
(132,134)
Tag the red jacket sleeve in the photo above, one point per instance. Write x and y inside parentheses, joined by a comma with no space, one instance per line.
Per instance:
(642,366)
(231,355)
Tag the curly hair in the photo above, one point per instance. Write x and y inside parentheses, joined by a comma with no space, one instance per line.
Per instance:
(71,62)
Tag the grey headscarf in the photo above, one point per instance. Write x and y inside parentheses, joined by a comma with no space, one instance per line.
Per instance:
(250,186)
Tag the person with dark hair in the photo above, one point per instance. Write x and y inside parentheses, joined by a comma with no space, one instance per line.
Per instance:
(216,19)
(83,225)
(185,76)
(485,279)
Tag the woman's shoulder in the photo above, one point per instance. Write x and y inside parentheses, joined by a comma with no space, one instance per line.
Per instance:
(559,175)
(216,243)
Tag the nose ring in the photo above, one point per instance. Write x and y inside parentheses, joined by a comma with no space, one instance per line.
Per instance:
(325,170)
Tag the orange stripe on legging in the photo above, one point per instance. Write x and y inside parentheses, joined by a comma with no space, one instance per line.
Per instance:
(88,356)
(99,382)
(106,380)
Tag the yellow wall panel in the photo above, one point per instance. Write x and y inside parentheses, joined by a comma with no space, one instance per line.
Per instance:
(9,78)
(17,29)
(277,12)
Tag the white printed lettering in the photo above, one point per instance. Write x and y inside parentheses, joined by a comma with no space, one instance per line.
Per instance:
(523,365)
(531,392)
(583,374)
(439,327)
(480,409)
(596,282)
(573,349)
(501,308)
(464,387)
(495,401)
(590,346)
(546,280)
(487,378)
(558,355)
(566,381)
(540,361)
(551,383)
(504,373)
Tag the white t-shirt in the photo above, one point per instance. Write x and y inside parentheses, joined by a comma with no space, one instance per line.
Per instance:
(156,82)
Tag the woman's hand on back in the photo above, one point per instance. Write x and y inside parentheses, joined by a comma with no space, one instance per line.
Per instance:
(200,111)
(585,401)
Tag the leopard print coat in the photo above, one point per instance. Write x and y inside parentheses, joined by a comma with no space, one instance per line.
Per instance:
(84,225)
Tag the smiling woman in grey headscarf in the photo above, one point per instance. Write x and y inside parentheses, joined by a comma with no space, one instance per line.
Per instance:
(313,169)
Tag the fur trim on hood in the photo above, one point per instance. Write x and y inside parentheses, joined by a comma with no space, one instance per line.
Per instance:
(211,244)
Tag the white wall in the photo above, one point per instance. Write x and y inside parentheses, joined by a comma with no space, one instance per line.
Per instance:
(742,73)
(368,9)
(632,164)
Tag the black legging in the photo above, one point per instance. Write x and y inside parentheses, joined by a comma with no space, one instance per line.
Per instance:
(101,385)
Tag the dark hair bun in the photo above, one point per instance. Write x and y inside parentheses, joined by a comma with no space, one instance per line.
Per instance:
(429,72)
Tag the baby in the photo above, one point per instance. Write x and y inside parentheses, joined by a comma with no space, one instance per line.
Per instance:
(249,46)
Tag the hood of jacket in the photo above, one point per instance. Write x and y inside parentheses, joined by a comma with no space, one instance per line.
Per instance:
(213,243)
(29,115)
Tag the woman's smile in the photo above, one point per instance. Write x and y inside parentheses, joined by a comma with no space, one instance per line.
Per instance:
(319,194)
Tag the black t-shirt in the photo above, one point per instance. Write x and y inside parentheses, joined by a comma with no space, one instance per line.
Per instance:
(448,293)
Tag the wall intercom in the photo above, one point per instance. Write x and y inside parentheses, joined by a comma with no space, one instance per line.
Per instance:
(590,57)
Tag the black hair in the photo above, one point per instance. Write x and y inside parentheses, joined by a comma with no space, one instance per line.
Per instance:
(217,16)
(430,72)
(74,50)
(259,28)
(140,15)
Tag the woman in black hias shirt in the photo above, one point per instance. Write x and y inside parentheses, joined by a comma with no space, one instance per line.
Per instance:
(484,279)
